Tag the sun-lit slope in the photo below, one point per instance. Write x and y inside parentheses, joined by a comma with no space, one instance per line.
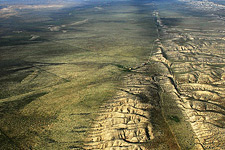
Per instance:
(192,52)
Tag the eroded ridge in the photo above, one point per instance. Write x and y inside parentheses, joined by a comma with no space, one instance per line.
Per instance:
(194,75)
(124,122)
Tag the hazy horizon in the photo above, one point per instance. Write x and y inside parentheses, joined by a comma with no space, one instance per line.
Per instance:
(35,2)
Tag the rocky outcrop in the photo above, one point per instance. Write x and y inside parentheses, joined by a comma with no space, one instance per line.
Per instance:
(133,118)
(193,77)
(173,101)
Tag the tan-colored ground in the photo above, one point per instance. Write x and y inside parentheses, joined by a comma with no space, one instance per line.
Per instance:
(186,85)
(91,95)
(195,79)
(133,119)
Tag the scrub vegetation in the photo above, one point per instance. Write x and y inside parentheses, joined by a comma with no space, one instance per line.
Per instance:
(59,67)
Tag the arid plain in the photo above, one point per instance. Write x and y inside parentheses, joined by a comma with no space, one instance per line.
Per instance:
(115,75)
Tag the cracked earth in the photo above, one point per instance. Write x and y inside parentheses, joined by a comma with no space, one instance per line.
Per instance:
(125,122)
(188,89)
(196,72)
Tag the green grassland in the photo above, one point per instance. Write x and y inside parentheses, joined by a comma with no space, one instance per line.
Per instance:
(51,87)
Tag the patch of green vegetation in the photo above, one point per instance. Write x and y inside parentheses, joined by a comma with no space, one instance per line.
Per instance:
(23,130)
(167,138)
(78,70)
(14,41)
(143,98)
(171,21)
(125,69)
(18,104)
(174,118)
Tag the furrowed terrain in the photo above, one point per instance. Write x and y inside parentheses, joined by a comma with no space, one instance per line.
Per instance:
(192,52)
(187,90)
(115,75)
